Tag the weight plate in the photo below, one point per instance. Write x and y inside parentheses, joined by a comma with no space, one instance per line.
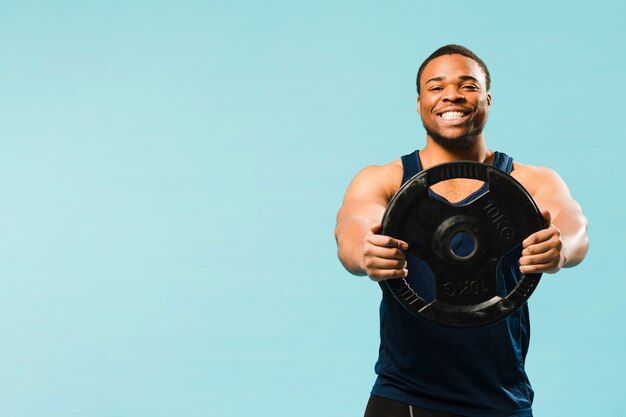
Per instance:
(465,279)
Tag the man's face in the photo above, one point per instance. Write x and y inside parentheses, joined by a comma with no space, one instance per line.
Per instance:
(453,101)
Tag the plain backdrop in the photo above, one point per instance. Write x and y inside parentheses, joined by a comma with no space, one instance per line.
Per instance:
(170,174)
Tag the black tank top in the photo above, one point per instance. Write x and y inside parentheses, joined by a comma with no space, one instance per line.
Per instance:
(472,372)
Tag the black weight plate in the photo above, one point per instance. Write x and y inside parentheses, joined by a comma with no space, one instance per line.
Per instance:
(465,284)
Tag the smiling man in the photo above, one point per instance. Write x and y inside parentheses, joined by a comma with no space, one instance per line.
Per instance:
(424,369)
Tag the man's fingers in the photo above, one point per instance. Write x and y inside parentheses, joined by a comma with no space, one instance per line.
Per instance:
(383,252)
(375,227)
(537,237)
(384,256)
(545,257)
(543,235)
(382,263)
(542,250)
(549,268)
(383,274)
(387,242)
(540,247)
(547,216)
(382,240)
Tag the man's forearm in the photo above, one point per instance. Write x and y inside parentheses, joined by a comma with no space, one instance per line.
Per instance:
(573,227)
(350,235)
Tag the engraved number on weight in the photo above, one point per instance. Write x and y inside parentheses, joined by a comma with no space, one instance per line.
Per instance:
(454,289)
(498,219)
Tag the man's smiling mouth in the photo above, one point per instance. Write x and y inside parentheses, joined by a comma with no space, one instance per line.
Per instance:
(452,115)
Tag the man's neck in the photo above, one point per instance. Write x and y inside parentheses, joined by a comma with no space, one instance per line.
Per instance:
(434,154)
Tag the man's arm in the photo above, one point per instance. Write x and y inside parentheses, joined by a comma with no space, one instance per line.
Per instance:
(564,243)
(360,249)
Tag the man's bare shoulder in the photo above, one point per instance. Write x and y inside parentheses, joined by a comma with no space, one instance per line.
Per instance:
(388,176)
(389,168)
(393,168)
(534,178)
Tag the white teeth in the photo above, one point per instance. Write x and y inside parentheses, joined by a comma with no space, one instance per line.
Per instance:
(451,115)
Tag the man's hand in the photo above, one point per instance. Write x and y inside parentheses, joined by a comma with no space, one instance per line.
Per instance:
(382,256)
(542,251)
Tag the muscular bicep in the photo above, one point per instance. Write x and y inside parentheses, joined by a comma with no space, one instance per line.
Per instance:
(363,206)
(551,193)
(368,195)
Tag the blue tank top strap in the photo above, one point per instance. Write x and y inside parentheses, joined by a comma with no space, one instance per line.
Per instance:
(503,162)
(412,166)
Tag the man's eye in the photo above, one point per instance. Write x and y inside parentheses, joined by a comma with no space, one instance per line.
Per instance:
(436,89)
(470,87)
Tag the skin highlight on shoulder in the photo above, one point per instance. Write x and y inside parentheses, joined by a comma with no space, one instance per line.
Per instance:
(369,193)
(387,178)
(534,178)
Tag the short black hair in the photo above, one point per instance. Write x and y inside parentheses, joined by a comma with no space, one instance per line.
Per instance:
(453,50)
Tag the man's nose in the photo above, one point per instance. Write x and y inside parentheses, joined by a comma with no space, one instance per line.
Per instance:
(453,95)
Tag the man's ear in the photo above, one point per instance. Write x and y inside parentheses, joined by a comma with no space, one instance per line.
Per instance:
(418,105)
(489,99)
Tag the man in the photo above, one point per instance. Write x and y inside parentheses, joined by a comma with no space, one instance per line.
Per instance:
(425,369)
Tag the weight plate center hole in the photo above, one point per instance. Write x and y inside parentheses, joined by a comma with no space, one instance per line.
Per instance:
(463,245)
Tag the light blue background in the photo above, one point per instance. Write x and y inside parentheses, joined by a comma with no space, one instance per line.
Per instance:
(170,173)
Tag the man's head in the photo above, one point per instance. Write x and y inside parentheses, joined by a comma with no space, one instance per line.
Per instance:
(452,50)
(454,99)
